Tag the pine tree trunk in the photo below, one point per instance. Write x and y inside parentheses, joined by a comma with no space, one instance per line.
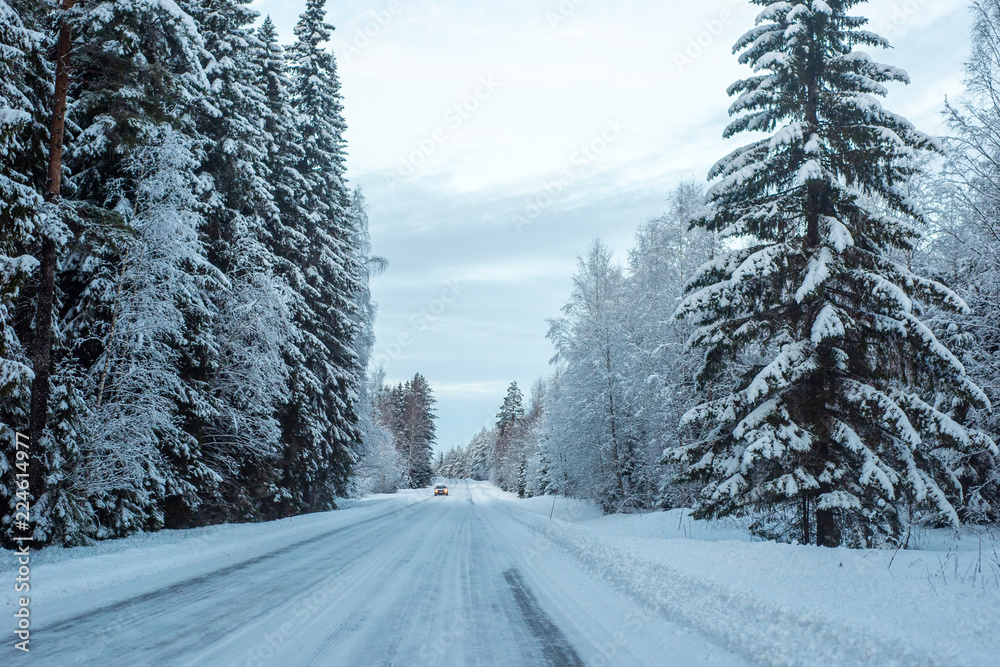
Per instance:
(41,358)
(827,531)
(41,352)
(806,537)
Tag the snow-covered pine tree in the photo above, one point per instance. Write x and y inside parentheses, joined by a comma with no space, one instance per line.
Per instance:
(134,68)
(319,421)
(846,425)
(512,410)
(508,456)
(20,202)
(288,245)
(418,430)
(236,370)
(284,150)
(478,455)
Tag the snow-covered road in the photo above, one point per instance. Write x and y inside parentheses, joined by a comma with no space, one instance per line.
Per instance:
(411,580)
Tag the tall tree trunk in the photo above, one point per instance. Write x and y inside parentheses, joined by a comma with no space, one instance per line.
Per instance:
(827,530)
(41,353)
(817,205)
(806,537)
(614,430)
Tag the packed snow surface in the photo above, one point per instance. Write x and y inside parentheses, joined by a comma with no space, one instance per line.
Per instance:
(482,578)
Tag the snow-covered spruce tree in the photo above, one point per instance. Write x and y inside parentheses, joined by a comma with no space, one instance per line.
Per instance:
(236,194)
(369,267)
(528,455)
(20,202)
(284,152)
(444,463)
(478,455)
(407,412)
(512,410)
(514,442)
(560,453)
(134,66)
(319,419)
(507,444)
(534,462)
(237,373)
(845,429)
(418,431)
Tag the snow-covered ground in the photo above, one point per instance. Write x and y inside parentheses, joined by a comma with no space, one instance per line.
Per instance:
(481,578)
(936,604)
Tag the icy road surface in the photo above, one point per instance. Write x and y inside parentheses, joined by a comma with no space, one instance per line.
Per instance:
(410,580)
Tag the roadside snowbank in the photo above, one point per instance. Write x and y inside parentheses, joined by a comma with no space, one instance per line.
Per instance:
(786,604)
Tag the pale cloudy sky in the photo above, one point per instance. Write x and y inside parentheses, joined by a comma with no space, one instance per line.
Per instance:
(495,140)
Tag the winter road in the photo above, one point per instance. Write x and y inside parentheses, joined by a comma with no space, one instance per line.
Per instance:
(441,581)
